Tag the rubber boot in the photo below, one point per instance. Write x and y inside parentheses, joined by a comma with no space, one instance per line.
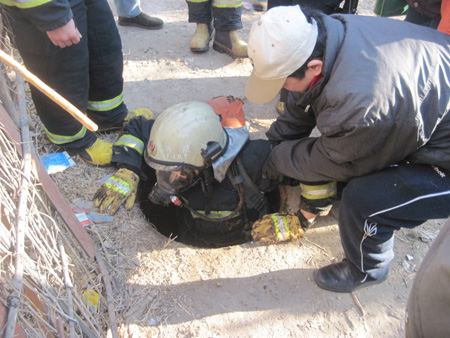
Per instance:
(100,153)
(229,42)
(202,37)
(260,5)
(144,112)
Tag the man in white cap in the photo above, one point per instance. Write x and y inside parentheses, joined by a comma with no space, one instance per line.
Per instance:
(378,91)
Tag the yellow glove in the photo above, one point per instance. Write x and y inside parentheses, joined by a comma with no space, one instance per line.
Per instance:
(118,189)
(276,228)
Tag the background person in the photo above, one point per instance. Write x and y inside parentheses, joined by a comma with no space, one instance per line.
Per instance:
(429,300)
(223,16)
(131,14)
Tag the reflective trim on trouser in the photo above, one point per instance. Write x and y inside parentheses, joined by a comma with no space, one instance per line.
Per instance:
(61,139)
(227,3)
(132,142)
(375,205)
(24,3)
(226,17)
(106,105)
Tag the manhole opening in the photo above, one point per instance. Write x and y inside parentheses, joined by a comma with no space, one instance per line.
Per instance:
(171,222)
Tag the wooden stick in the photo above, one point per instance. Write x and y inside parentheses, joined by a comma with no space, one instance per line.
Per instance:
(54,96)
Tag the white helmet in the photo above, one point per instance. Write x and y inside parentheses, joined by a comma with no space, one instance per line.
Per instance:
(187,134)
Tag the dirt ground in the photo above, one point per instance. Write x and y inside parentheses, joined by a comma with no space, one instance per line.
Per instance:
(166,289)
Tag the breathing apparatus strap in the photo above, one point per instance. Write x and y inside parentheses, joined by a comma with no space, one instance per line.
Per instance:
(253,197)
(206,182)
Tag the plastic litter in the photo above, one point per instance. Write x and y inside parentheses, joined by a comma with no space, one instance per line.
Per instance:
(57,162)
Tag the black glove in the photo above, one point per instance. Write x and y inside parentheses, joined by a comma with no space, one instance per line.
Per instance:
(270,172)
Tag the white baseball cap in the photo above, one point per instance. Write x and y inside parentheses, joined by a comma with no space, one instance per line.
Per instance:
(279,43)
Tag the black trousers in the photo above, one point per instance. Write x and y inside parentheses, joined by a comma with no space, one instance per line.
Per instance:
(223,18)
(375,205)
(88,74)
(326,6)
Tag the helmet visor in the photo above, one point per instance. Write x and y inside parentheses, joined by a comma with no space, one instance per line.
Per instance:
(176,181)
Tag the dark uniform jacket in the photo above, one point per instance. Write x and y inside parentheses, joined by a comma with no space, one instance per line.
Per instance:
(384,99)
(45,15)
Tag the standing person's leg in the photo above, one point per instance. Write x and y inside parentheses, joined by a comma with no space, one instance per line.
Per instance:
(371,209)
(420,19)
(227,20)
(429,300)
(130,14)
(325,6)
(276,3)
(106,104)
(200,12)
(128,8)
(64,69)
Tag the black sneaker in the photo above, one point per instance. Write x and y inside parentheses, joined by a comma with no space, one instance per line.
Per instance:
(142,21)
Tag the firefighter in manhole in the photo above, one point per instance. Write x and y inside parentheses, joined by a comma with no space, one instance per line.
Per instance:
(199,177)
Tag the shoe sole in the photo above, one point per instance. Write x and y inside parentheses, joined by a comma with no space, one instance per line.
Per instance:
(200,50)
(107,130)
(359,286)
(203,49)
(259,8)
(218,47)
(139,26)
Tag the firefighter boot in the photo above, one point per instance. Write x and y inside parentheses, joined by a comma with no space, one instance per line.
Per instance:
(144,112)
(260,5)
(202,37)
(100,153)
(229,42)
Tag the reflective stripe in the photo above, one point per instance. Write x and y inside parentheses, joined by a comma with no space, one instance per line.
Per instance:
(317,192)
(24,3)
(281,226)
(61,139)
(118,185)
(228,3)
(132,142)
(213,214)
(105,105)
